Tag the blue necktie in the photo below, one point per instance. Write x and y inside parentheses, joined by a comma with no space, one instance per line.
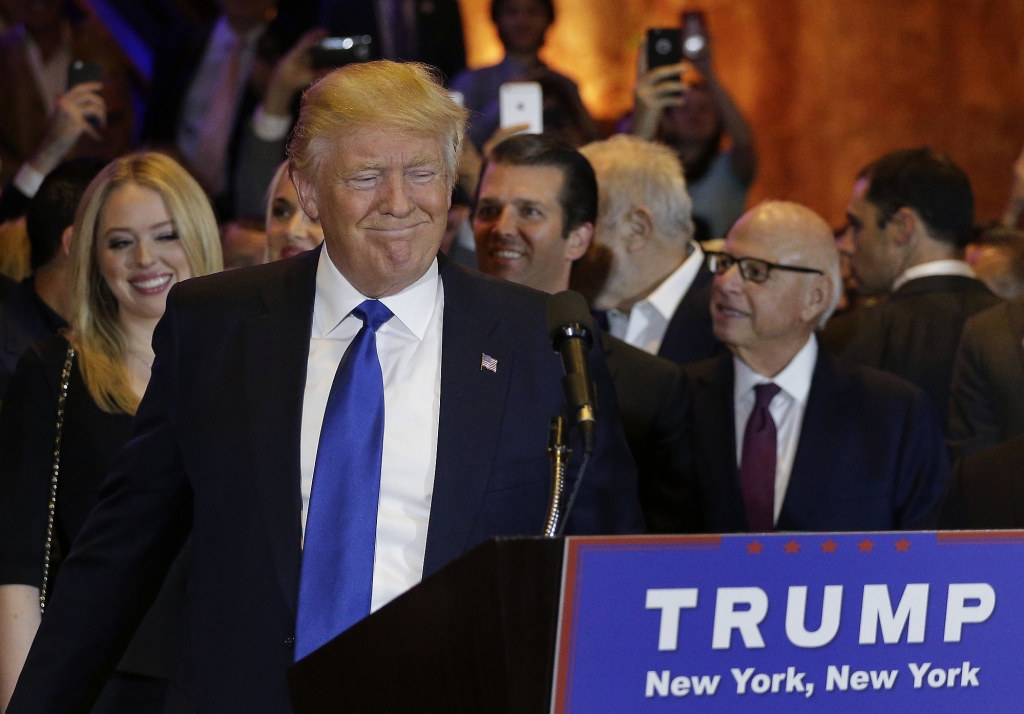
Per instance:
(341,524)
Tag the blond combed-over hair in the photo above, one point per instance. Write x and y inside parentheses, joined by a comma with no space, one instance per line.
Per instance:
(96,330)
(635,173)
(406,96)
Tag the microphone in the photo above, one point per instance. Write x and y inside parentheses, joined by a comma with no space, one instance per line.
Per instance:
(572,334)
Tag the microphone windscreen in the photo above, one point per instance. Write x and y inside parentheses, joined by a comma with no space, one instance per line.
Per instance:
(566,308)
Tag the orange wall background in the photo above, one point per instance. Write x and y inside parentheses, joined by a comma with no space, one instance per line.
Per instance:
(827,85)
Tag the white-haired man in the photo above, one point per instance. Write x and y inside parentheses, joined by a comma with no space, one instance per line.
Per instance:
(332,427)
(656,292)
(784,435)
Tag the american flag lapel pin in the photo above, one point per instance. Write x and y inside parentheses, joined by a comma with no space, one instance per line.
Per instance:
(489,363)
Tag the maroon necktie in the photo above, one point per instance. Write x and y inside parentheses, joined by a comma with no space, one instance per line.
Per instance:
(757,464)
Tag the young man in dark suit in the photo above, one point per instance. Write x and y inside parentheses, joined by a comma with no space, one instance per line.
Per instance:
(985,403)
(785,436)
(657,291)
(330,428)
(534,219)
(910,218)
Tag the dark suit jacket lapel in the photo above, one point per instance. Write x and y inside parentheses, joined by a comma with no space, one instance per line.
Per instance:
(276,353)
(471,411)
(688,337)
(714,430)
(823,429)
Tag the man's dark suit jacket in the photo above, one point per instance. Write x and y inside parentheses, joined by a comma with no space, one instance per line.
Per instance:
(652,408)
(216,450)
(689,337)
(870,456)
(914,334)
(24,319)
(987,489)
(986,400)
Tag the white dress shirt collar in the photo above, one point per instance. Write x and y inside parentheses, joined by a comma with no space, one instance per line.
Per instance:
(794,379)
(932,268)
(648,320)
(413,306)
(667,296)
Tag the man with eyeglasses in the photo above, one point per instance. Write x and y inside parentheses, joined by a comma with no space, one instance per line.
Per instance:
(785,436)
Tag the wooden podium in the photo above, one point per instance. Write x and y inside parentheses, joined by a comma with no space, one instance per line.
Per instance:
(478,636)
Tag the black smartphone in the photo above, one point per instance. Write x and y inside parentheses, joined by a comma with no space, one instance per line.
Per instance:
(664,46)
(333,52)
(695,34)
(80,72)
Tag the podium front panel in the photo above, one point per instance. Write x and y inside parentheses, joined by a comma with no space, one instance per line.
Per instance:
(886,622)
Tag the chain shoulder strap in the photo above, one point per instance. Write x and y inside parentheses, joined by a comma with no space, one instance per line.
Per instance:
(51,509)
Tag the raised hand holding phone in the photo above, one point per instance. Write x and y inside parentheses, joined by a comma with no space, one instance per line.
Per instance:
(656,89)
(80,110)
(522,103)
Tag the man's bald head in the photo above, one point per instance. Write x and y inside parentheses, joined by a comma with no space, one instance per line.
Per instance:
(794,235)
(767,317)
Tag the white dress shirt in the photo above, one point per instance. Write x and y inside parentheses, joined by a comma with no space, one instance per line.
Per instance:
(931,268)
(207,78)
(409,349)
(787,410)
(647,322)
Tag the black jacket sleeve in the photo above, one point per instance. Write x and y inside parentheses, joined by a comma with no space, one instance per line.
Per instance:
(120,558)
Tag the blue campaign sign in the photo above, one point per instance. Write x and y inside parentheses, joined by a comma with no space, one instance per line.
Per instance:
(880,622)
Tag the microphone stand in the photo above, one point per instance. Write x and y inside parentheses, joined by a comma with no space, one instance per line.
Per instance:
(559,453)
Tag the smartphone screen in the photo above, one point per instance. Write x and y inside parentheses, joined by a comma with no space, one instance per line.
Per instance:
(695,34)
(522,103)
(339,51)
(80,72)
(664,47)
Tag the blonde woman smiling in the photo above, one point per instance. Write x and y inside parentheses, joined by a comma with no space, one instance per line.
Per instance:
(143,225)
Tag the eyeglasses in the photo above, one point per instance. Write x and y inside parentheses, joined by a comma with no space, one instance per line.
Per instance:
(753,269)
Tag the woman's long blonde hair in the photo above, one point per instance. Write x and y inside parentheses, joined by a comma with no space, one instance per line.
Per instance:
(96,329)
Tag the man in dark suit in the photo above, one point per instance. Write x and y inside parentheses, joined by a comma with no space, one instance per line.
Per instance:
(332,428)
(987,489)
(536,207)
(985,400)
(786,436)
(910,218)
(206,86)
(657,291)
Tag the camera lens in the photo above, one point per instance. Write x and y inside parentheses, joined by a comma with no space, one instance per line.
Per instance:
(663,46)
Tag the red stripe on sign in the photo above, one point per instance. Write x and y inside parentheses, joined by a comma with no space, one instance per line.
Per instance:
(978,537)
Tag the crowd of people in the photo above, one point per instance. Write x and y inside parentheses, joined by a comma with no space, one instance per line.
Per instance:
(188,463)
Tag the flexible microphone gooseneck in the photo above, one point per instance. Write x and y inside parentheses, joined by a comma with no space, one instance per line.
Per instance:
(572,334)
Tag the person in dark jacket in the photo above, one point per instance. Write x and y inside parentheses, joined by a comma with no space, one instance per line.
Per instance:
(39,307)
(909,219)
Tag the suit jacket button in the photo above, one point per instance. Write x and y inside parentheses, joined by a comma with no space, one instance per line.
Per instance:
(289,640)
